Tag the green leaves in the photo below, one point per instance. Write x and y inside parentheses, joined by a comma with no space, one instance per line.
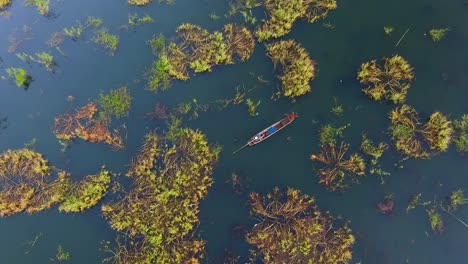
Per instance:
(115,104)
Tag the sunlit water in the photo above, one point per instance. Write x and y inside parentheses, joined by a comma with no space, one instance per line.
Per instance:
(441,85)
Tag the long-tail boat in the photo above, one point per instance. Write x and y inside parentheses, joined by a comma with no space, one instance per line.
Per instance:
(271,130)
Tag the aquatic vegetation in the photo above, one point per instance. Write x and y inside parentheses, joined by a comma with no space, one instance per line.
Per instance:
(292,229)
(390,82)
(4,4)
(83,124)
(115,104)
(134,20)
(435,220)
(407,131)
(437,34)
(338,171)
(298,69)
(157,44)
(329,134)
(386,206)
(416,201)
(94,22)
(20,76)
(283,13)
(388,30)
(213,16)
(43,58)
(461,133)
(159,215)
(62,255)
(139,2)
(337,109)
(26,183)
(74,32)
(56,39)
(17,38)
(158,77)
(105,39)
(41,5)
(457,199)
(87,192)
(375,151)
(252,107)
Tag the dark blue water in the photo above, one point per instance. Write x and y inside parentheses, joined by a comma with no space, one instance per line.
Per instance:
(441,85)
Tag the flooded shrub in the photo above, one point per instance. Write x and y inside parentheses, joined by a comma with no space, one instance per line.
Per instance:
(20,76)
(106,40)
(390,81)
(283,13)
(457,198)
(56,39)
(41,5)
(134,20)
(297,67)
(157,44)
(435,219)
(159,214)
(292,229)
(86,193)
(94,22)
(329,134)
(139,2)
(74,32)
(437,34)
(115,104)
(461,133)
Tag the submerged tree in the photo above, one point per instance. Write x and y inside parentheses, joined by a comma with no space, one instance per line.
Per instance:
(461,133)
(84,124)
(158,215)
(390,81)
(338,171)
(283,14)
(199,50)
(410,135)
(86,193)
(298,69)
(293,230)
(26,183)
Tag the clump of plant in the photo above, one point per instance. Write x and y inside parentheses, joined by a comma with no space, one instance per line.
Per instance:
(337,109)
(83,124)
(20,76)
(74,32)
(105,39)
(410,135)
(461,133)
(41,5)
(416,201)
(157,44)
(115,104)
(62,255)
(158,77)
(388,30)
(375,151)
(390,81)
(44,58)
(87,192)
(292,229)
(94,22)
(457,198)
(338,171)
(26,183)
(159,214)
(437,34)
(139,2)
(134,20)
(252,107)
(435,220)
(4,4)
(298,69)
(329,134)
(283,13)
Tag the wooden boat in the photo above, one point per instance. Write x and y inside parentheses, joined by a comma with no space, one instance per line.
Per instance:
(269,131)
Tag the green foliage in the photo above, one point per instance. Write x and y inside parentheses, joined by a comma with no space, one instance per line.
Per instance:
(368,147)
(291,229)
(62,255)
(117,103)
(388,30)
(457,199)
(213,16)
(252,107)
(158,77)
(134,20)
(74,32)
(106,40)
(20,76)
(435,220)
(157,44)
(283,14)
(337,109)
(298,68)
(47,60)
(461,133)
(437,34)
(4,4)
(329,134)
(41,5)
(415,202)
(94,22)
(86,193)
(159,215)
